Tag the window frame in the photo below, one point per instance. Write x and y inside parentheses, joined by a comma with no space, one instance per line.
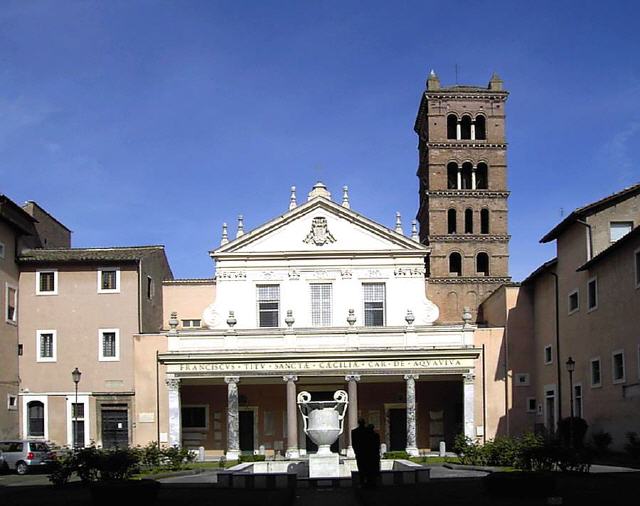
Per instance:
(101,357)
(623,379)
(591,361)
(26,399)
(151,288)
(12,406)
(590,308)
(99,279)
(39,273)
(330,312)
(575,400)
(527,379)
(258,301)
(575,292)
(384,303)
(54,345)
(86,419)
(7,298)
(619,222)
(535,405)
(550,348)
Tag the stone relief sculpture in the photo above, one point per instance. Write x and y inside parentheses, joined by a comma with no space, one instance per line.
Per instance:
(319,234)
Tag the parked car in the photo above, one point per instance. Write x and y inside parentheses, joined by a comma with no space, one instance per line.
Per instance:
(23,455)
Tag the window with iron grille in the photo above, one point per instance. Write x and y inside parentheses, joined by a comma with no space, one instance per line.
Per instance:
(108,280)
(374,304)
(47,281)
(109,344)
(321,304)
(46,345)
(268,305)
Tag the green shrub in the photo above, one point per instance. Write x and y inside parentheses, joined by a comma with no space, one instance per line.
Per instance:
(151,455)
(175,458)
(601,442)
(633,445)
(61,470)
(401,454)
(469,452)
(118,464)
(252,458)
(572,431)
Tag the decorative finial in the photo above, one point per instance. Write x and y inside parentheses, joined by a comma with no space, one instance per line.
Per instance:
(351,317)
(319,190)
(414,231)
(231,320)
(409,318)
(240,231)
(289,320)
(293,202)
(225,235)
(173,322)
(345,197)
(399,224)
(466,316)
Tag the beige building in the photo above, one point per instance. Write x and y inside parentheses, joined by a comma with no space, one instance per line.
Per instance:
(425,330)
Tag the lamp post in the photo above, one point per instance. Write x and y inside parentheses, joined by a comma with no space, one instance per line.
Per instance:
(571,366)
(75,374)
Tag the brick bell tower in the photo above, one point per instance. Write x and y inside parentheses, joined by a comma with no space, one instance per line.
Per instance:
(463,193)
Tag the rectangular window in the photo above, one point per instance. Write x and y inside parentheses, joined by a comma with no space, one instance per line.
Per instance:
(592,294)
(321,304)
(617,363)
(374,304)
(550,408)
(194,417)
(191,324)
(12,402)
(109,345)
(596,373)
(577,400)
(522,379)
(531,404)
(46,345)
(47,282)
(268,305)
(109,280)
(548,355)
(619,229)
(11,305)
(574,303)
(77,424)
(150,288)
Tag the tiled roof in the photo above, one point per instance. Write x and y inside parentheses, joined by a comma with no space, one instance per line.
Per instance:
(123,254)
(589,209)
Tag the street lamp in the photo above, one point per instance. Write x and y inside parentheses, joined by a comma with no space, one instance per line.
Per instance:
(75,374)
(571,366)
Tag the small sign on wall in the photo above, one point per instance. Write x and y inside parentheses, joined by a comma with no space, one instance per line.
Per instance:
(146,417)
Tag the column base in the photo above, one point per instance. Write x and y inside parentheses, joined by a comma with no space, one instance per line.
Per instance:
(233,455)
(413,451)
(350,453)
(292,453)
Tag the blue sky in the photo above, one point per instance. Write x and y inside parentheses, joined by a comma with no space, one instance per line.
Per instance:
(152,122)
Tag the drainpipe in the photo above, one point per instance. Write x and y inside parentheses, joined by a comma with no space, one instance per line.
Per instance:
(589,238)
(558,366)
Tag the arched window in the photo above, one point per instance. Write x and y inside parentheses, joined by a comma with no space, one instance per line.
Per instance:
(455,264)
(482,264)
(468,221)
(451,221)
(484,221)
(452,176)
(467,168)
(465,127)
(482,182)
(35,419)
(452,126)
(481,127)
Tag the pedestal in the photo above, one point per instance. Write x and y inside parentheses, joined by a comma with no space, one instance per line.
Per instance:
(324,466)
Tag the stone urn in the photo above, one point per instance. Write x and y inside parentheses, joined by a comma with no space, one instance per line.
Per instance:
(323,420)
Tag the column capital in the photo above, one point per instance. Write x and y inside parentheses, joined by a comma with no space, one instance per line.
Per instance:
(231,379)
(289,377)
(352,377)
(172,383)
(468,378)
(411,377)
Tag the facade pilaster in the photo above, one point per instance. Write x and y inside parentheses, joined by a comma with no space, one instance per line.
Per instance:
(469,404)
(292,418)
(412,446)
(175,422)
(233,418)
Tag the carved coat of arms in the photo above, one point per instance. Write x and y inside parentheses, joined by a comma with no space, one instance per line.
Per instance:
(319,234)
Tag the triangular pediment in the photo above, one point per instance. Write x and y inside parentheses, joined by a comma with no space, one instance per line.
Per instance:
(320,226)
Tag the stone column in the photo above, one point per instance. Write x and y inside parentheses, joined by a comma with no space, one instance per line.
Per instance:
(175,425)
(473,130)
(233,419)
(469,404)
(473,177)
(459,181)
(352,380)
(458,130)
(292,418)
(412,446)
